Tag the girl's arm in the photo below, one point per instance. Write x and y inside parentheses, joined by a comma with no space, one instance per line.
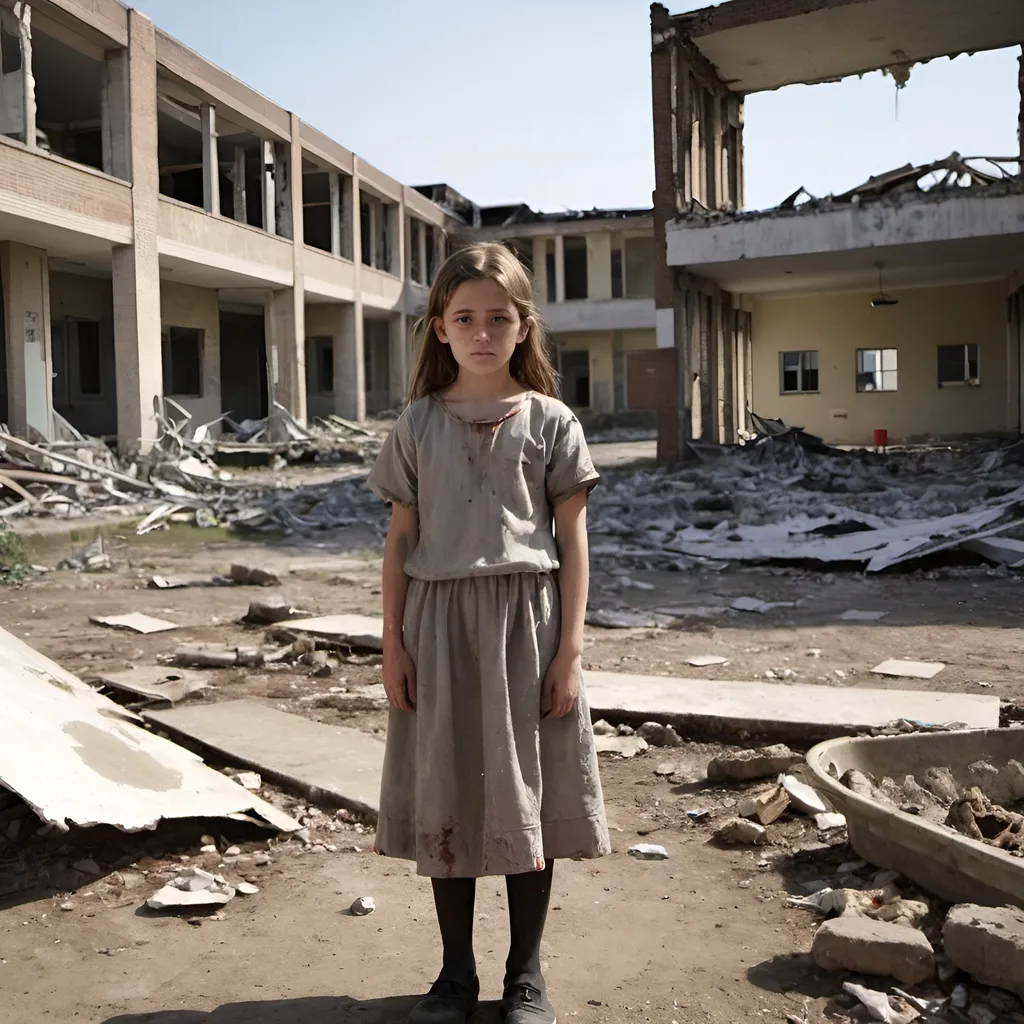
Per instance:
(399,672)
(562,681)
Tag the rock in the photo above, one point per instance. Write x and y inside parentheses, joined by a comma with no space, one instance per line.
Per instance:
(247,889)
(261,860)
(852,943)
(87,867)
(747,765)
(746,833)
(665,768)
(363,907)
(988,944)
(647,851)
(248,576)
(982,1014)
(192,888)
(67,907)
(209,848)
(270,611)
(626,730)
(941,784)
(233,851)
(250,781)
(659,735)
(604,728)
(976,816)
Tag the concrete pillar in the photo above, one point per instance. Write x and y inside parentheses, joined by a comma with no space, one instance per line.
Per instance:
(26,305)
(599,265)
(439,249)
(396,221)
(269,188)
(114,115)
(540,270)
(682,322)
(23,14)
(136,268)
(422,253)
(619,383)
(559,269)
(349,198)
(373,226)
(350,363)
(211,159)
(285,185)
(334,182)
(398,358)
(241,203)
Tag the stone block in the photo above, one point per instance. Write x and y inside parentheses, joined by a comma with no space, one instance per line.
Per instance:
(746,765)
(988,944)
(858,944)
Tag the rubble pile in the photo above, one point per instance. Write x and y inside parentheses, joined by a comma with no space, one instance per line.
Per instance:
(987,810)
(788,498)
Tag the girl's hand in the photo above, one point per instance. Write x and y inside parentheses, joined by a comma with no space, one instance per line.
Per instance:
(561,684)
(400,679)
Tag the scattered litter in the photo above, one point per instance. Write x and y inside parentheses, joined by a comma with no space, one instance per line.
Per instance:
(609,619)
(92,558)
(909,669)
(706,660)
(824,901)
(135,622)
(192,888)
(829,822)
(853,615)
(363,907)
(363,631)
(880,1006)
(803,797)
(745,833)
(767,807)
(163,583)
(216,656)
(647,851)
(755,604)
(698,815)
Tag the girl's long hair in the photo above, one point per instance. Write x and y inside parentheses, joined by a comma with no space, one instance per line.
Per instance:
(436,367)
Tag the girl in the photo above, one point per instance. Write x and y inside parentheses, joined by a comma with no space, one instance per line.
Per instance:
(490,766)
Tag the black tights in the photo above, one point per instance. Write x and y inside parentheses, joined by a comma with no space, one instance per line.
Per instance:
(528,898)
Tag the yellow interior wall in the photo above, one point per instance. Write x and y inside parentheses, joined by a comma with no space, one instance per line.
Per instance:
(836,325)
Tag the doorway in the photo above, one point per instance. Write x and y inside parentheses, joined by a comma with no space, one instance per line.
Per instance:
(576,379)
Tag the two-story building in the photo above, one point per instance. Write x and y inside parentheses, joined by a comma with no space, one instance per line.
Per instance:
(165,230)
(895,306)
(593,276)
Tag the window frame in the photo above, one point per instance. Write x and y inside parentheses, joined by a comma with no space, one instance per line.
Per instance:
(803,370)
(167,360)
(968,380)
(880,375)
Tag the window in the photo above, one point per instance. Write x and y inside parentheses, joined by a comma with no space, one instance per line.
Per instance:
(640,267)
(799,371)
(958,366)
(320,365)
(876,369)
(575,267)
(616,273)
(551,271)
(432,239)
(415,265)
(183,361)
(90,379)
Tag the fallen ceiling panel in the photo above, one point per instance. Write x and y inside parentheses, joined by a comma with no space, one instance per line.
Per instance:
(77,758)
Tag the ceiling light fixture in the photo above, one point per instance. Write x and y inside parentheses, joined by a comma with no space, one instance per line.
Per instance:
(881,299)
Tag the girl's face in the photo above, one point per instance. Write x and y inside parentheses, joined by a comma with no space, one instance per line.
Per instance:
(482,326)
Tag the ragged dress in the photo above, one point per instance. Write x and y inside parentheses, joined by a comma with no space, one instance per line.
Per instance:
(475,783)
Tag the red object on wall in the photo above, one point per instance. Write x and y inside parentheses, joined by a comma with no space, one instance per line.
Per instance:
(881,438)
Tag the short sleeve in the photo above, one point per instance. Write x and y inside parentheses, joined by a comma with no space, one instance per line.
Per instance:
(394,475)
(569,468)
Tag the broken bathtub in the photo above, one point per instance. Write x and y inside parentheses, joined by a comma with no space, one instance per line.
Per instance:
(952,866)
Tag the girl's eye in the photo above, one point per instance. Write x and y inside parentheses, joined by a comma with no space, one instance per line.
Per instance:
(462,319)
(501,319)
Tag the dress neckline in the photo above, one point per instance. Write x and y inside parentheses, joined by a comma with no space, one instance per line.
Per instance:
(527,397)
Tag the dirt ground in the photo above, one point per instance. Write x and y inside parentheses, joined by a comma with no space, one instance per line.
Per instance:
(703,936)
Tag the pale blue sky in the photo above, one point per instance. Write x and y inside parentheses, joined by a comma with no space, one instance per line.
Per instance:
(548,101)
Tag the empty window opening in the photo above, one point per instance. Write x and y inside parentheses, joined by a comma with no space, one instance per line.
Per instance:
(417,258)
(433,266)
(242,177)
(640,267)
(84,386)
(180,151)
(183,361)
(377,364)
(617,282)
(576,378)
(243,365)
(575,267)
(958,366)
(378,221)
(523,250)
(876,369)
(550,270)
(316,209)
(69,97)
(799,372)
(320,365)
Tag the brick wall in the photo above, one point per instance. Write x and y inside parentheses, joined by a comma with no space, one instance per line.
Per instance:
(652,385)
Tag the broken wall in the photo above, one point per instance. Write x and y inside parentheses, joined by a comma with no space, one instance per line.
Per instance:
(195,310)
(837,325)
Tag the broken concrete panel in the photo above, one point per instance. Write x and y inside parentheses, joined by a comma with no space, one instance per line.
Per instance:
(852,943)
(358,630)
(999,550)
(154,682)
(747,765)
(624,746)
(988,944)
(908,669)
(134,622)
(76,757)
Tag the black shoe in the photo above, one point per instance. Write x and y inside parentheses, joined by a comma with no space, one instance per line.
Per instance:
(447,1002)
(525,1004)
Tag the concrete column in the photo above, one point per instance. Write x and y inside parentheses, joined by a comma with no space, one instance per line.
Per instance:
(559,269)
(269,188)
(439,247)
(26,305)
(114,115)
(540,270)
(334,182)
(1013,357)
(349,218)
(682,321)
(350,363)
(211,159)
(136,268)
(422,253)
(241,203)
(374,228)
(285,185)
(398,358)
(396,216)
(599,265)
(23,13)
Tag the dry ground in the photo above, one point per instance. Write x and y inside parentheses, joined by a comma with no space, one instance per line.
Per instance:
(704,936)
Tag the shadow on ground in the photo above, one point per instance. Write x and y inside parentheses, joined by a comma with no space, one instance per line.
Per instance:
(312,1010)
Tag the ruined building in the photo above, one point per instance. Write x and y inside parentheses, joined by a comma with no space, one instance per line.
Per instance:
(895,306)
(167,231)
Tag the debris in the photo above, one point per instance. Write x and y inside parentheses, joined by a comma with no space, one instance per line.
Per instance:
(746,833)
(909,669)
(270,612)
(803,797)
(362,631)
(135,622)
(245,575)
(665,769)
(363,907)
(829,822)
(603,728)
(879,1005)
(76,757)
(825,901)
(609,619)
(999,550)
(747,765)
(853,615)
(246,889)
(706,660)
(154,683)
(92,558)
(249,780)
(864,946)
(698,815)
(975,816)
(755,604)
(163,583)
(192,888)
(217,656)
(658,735)
(647,851)
(624,746)
(767,807)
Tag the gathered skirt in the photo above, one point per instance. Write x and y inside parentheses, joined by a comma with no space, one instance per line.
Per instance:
(475,783)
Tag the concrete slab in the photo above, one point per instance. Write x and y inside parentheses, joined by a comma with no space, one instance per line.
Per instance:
(800,712)
(360,630)
(328,763)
